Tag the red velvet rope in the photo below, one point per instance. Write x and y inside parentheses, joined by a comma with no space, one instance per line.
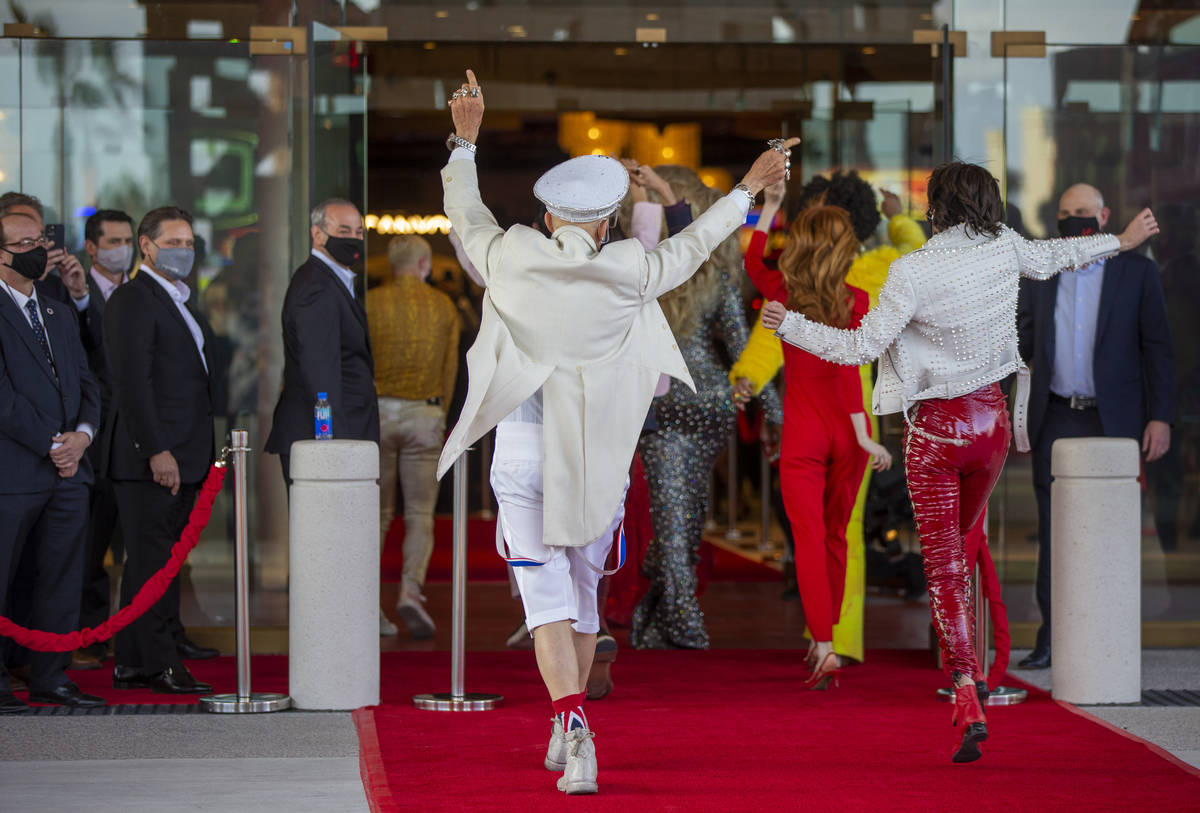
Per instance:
(150,592)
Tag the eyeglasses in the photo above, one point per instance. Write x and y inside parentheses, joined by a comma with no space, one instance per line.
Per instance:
(28,243)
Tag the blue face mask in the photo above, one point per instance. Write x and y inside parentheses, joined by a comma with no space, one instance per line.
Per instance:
(176,263)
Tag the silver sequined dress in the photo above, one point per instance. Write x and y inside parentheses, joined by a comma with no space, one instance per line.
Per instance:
(693,428)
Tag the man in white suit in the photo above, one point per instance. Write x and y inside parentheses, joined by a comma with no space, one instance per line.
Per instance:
(569,352)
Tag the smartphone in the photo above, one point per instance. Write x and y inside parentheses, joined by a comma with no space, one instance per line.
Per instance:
(54,236)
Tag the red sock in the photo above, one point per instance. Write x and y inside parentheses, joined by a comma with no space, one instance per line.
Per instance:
(569,711)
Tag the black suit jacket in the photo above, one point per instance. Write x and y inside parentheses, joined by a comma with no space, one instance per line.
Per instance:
(1133,365)
(89,319)
(326,349)
(35,404)
(162,397)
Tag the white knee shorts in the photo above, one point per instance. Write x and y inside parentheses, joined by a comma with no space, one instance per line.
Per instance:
(564,588)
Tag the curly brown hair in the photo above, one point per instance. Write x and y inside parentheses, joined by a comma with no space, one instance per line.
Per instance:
(962,193)
(821,246)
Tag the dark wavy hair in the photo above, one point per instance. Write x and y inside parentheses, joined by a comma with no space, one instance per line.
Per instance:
(964,193)
(845,190)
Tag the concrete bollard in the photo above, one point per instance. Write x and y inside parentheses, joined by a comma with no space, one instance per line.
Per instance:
(1095,567)
(333,600)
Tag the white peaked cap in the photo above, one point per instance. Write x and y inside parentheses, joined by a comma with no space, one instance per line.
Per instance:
(583,189)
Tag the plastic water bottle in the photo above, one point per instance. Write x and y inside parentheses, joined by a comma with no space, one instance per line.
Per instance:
(322,418)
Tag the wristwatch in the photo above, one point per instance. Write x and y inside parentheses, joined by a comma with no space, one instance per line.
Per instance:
(454,141)
(743,188)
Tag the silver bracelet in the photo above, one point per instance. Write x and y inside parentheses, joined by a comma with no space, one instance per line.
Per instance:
(454,140)
(743,188)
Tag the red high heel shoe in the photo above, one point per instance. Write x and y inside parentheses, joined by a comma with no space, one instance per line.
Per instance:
(825,674)
(969,713)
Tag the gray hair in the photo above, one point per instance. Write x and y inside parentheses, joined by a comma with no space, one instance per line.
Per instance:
(318,213)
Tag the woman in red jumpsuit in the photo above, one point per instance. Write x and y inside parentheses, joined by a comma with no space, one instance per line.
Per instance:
(826,438)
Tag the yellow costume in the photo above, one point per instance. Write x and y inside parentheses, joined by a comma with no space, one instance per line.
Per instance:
(760,362)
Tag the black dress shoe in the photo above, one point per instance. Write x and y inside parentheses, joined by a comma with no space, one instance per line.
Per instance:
(69,695)
(177,680)
(1038,659)
(194,652)
(9,704)
(128,677)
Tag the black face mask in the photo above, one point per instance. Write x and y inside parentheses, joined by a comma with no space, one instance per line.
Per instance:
(346,250)
(1075,226)
(31,264)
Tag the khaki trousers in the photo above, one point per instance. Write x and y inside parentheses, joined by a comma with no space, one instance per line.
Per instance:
(411,434)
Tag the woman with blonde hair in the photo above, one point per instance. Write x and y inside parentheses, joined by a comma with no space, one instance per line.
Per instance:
(825,440)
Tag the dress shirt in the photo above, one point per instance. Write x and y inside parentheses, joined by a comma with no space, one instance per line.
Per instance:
(1076,308)
(414,334)
(20,299)
(179,294)
(105,285)
(344,274)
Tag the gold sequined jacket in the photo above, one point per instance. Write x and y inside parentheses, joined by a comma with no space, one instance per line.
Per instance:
(946,320)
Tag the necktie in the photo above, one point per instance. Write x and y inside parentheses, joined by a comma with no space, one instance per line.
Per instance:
(39,332)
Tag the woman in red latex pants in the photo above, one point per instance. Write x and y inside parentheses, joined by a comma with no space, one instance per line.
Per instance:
(944,332)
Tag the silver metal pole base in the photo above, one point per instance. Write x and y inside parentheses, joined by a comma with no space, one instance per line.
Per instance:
(445,701)
(1000,696)
(259,702)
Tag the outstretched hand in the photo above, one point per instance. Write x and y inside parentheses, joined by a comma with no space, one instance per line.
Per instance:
(769,168)
(1141,228)
(773,314)
(466,108)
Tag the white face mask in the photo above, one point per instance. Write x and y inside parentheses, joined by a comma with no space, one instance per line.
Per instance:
(115,259)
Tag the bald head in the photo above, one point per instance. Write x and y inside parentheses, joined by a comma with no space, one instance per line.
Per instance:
(1083,200)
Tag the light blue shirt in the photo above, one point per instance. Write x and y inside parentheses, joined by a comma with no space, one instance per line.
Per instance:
(1076,310)
(344,274)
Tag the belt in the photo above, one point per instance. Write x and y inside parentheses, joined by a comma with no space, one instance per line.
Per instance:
(1075,401)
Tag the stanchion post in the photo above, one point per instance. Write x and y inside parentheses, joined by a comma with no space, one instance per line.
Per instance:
(485,485)
(731,456)
(457,699)
(764,480)
(244,700)
(997,695)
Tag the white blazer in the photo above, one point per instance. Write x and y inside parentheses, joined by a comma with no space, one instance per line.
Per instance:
(584,326)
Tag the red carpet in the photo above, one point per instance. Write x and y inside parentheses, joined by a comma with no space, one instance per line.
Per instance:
(484,565)
(739,733)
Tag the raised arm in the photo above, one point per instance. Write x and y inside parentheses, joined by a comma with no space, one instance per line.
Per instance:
(1042,259)
(674,260)
(879,328)
(474,222)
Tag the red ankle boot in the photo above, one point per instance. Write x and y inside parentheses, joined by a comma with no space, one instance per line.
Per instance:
(968,714)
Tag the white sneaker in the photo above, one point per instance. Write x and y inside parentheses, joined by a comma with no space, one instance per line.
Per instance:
(580,776)
(386,627)
(412,613)
(556,751)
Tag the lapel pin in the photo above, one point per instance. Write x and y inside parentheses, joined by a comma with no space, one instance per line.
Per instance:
(50,311)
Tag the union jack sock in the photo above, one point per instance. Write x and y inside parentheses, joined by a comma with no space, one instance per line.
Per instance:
(569,711)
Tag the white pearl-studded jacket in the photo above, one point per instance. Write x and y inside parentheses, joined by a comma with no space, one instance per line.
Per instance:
(946,320)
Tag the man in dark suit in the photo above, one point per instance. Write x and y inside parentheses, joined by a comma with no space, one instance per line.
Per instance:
(159,438)
(325,341)
(108,241)
(1100,352)
(64,282)
(50,404)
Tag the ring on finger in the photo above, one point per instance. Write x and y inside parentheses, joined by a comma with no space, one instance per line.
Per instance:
(475,92)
